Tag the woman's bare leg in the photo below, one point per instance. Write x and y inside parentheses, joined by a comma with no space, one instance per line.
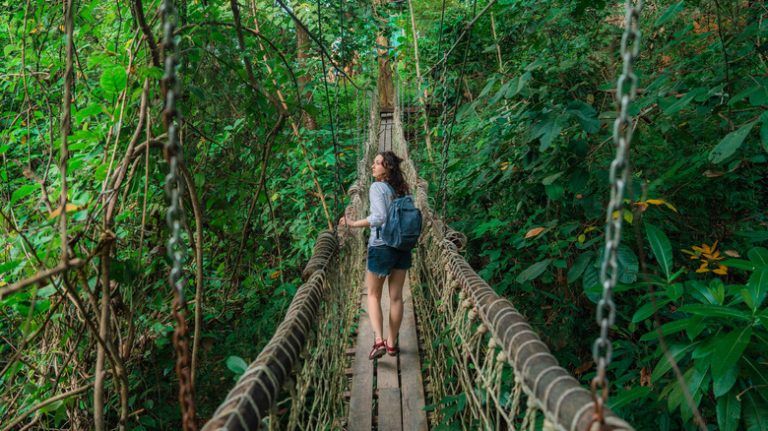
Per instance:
(374,283)
(396,282)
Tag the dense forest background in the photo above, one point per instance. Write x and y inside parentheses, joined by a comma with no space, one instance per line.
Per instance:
(517,111)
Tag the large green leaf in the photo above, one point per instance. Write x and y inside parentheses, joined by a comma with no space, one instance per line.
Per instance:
(677,351)
(694,379)
(628,264)
(579,265)
(730,143)
(647,309)
(758,256)
(113,80)
(22,192)
(684,101)
(755,413)
(713,310)
(724,384)
(757,287)
(533,271)
(728,412)
(661,247)
(729,349)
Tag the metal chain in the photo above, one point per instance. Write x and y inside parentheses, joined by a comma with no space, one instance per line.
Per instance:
(626,90)
(177,250)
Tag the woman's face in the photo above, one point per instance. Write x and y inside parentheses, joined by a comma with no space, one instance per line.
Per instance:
(378,169)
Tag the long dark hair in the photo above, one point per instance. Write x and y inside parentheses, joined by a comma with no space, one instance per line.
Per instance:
(394,175)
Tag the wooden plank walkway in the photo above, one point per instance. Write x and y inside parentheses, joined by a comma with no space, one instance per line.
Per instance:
(390,389)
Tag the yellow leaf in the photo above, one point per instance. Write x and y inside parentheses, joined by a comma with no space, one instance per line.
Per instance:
(712,174)
(582,238)
(662,202)
(57,212)
(3,283)
(274,275)
(721,270)
(24,139)
(533,232)
(589,229)
(732,253)
(703,268)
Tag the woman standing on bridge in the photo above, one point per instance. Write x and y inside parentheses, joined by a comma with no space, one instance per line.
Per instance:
(384,261)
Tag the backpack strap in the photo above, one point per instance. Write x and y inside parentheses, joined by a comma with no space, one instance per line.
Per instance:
(394,196)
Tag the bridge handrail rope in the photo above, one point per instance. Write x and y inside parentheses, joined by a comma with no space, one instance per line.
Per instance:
(500,338)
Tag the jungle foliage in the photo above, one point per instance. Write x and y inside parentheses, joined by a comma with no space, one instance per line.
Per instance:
(527,97)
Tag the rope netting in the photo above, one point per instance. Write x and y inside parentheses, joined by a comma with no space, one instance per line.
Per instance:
(298,380)
(485,367)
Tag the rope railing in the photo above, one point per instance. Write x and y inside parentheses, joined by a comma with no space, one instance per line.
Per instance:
(486,366)
(298,380)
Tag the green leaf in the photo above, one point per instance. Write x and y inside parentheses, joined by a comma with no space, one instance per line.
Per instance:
(113,80)
(533,271)
(682,102)
(237,365)
(586,116)
(758,375)
(549,131)
(759,256)
(672,327)
(755,413)
(647,310)
(728,412)
(724,384)
(22,192)
(624,398)
(591,284)
(628,264)
(579,265)
(739,264)
(730,143)
(757,287)
(661,247)
(670,13)
(729,349)
(694,379)
(713,310)
(677,351)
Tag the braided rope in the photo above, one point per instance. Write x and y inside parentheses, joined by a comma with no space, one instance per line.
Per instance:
(478,338)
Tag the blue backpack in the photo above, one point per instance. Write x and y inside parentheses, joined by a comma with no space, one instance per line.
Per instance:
(403,225)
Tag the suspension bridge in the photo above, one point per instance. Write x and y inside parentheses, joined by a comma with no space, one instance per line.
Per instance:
(459,341)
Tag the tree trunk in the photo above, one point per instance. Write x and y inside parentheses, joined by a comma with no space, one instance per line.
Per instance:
(386,89)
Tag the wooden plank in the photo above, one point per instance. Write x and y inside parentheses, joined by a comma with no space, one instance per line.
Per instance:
(412,386)
(361,401)
(387,383)
(389,420)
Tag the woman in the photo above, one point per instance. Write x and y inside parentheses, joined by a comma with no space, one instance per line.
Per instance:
(384,261)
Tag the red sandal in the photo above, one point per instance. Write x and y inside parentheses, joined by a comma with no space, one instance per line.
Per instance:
(392,351)
(378,350)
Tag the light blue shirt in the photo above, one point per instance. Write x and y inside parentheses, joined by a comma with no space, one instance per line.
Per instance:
(380,196)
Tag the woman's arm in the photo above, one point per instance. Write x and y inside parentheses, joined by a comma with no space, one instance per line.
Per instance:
(354,223)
